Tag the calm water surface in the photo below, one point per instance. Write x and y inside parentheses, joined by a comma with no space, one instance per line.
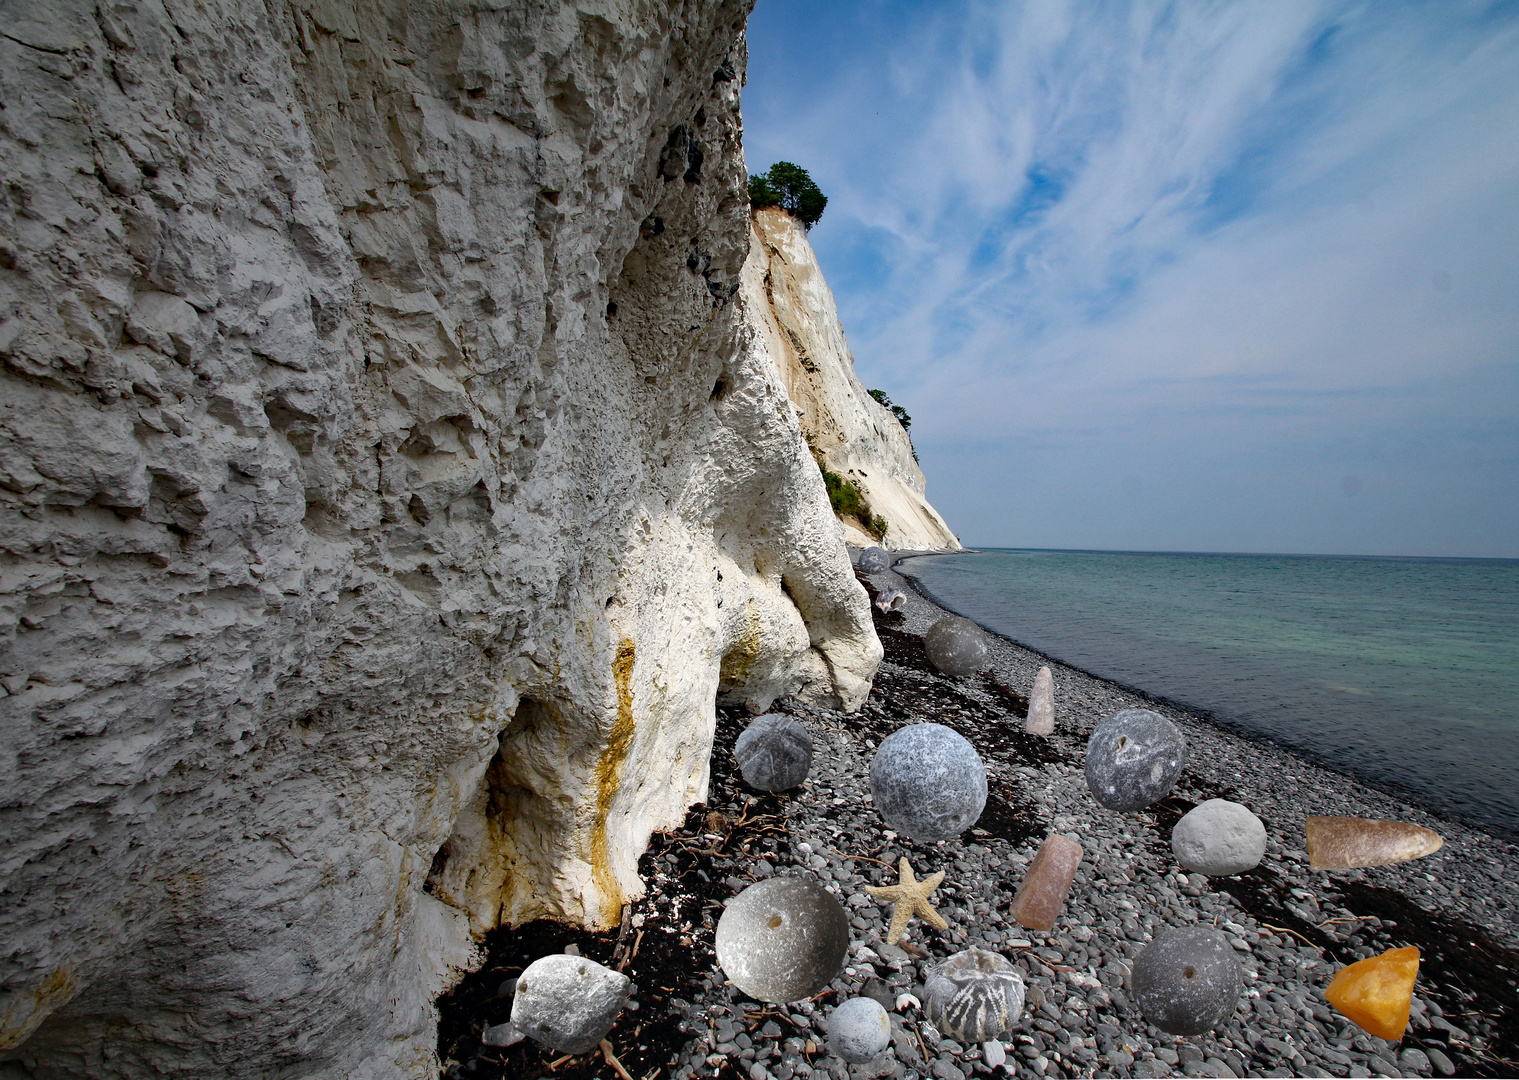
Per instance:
(1403,672)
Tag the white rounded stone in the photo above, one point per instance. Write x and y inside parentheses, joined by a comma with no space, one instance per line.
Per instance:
(568,1003)
(858,1030)
(1218,838)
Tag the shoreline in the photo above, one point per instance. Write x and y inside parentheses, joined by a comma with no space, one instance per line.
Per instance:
(1291,927)
(1401,794)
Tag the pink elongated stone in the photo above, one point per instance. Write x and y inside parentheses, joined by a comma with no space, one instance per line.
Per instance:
(1043,892)
(1345,843)
(1041,705)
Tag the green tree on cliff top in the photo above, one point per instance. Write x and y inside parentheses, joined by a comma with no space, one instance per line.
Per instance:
(789,187)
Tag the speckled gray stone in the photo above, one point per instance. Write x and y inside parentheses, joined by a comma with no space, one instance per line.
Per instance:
(858,1030)
(774,752)
(1219,837)
(956,646)
(1187,981)
(928,782)
(873,560)
(568,1003)
(974,996)
(782,939)
(1134,757)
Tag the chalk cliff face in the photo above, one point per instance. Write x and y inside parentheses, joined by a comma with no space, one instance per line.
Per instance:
(388,487)
(792,308)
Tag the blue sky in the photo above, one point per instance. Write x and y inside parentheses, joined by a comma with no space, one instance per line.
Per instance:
(1197,277)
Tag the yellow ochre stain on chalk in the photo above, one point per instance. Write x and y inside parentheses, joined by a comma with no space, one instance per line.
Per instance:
(739,659)
(608,777)
(21,1012)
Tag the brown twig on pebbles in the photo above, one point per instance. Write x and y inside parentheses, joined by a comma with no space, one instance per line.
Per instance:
(611,1059)
(861,858)
(551,1066)
(622,936)
(1353,918)
(637,938)
(1294,933)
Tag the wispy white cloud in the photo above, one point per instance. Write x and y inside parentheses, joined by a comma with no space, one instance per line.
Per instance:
(1212,242)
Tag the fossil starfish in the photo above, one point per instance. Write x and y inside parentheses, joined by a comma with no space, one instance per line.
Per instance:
(909,897)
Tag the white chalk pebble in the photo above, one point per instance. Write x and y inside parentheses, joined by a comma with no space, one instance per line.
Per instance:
(858,1030)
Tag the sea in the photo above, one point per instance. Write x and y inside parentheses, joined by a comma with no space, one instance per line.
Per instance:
(1401,672)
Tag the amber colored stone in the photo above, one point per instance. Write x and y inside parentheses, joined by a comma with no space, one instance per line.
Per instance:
(1376,993)
(1042,894)
(1344,843)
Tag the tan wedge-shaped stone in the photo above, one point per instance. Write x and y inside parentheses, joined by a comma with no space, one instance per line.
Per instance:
(1345,843)
(1042,894)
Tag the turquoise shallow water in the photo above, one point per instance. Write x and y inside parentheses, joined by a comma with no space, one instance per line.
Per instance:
(1402,672)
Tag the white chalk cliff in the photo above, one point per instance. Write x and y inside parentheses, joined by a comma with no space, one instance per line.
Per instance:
(388,488)
(788,301)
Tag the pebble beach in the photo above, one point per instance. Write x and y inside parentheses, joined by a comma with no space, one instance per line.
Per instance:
(1291,927)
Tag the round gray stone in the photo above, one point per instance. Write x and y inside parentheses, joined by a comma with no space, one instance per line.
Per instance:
(782,939)
(858,1030)
(568,1003)
(974,996)
(1134,757)
(1187,981)
(956,646)
(774,752)
(928,782)
(873,560)
(1218,838)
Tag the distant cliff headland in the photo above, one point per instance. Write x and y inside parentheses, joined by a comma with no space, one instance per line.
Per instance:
(404,442)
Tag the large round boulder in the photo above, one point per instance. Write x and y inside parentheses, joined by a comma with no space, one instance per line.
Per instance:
(873,560)
(1187,981)
(956,646)
(928,782)
(1134,758)
(782,939)
(774,752)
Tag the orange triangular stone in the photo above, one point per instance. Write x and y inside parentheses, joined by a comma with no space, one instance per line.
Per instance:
(1376,993)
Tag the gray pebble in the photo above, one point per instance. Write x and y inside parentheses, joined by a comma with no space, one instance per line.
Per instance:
(956,646)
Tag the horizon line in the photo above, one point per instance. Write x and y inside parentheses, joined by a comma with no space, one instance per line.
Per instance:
(1245,554)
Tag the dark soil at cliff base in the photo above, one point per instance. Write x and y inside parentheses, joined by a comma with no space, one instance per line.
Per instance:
(1291,927)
